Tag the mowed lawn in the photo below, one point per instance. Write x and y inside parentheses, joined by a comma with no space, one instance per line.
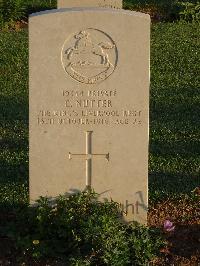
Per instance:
(174,113)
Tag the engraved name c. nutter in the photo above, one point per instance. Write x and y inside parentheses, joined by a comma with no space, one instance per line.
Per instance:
(90,56)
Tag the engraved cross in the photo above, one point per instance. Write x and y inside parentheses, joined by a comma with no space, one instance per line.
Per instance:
(88,156)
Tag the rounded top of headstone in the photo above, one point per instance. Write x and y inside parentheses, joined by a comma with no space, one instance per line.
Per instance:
(91,9)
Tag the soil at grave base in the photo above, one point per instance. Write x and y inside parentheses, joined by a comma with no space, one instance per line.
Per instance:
(183,244)
(183,248)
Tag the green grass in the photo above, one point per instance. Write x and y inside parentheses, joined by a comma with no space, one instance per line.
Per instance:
(13,117)
(174,116)
(12,11)
(175,109)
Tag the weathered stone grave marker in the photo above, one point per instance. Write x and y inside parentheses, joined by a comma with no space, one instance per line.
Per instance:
(89,101)
(90,3)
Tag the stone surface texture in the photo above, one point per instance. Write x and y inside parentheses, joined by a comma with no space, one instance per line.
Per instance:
(90,3)
(89,105)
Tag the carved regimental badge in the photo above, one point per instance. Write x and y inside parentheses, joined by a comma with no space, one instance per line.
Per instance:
(90,56)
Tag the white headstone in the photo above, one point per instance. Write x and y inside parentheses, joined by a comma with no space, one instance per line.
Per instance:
(89,104)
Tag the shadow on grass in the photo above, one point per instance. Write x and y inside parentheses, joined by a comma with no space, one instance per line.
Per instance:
(174,141)
(176,104)
(188,148)
(185,112)
(13,167)
(13,138)
(168,185)
(14,108)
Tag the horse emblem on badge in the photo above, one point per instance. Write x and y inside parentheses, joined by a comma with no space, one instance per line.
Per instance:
(90,56)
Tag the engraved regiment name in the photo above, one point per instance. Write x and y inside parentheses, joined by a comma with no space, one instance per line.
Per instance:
(89,107)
